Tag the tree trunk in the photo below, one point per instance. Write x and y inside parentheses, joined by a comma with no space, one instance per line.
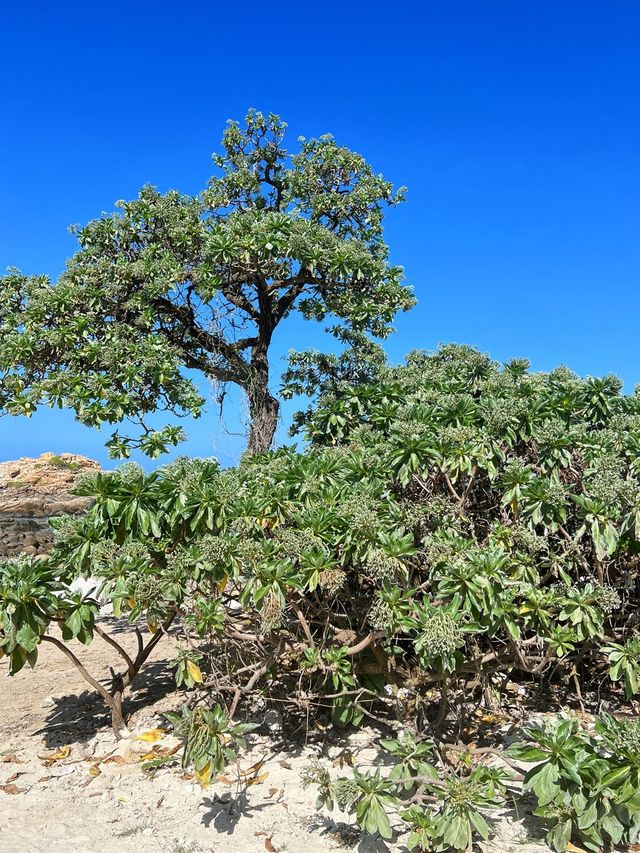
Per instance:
(263,411)
(117,720)
(263,406)
(117,694)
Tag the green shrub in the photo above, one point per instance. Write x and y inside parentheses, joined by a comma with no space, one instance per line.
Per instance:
(210,740)
(440,808)
(587,787)
(453,520)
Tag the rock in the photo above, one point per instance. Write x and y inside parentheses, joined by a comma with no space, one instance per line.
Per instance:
(273,721)
(31,492)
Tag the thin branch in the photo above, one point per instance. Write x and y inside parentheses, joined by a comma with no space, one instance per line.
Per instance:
(139,639)
(449,485)
(364,643)
(115,645)
(251,683)
(305,625)
(47,638)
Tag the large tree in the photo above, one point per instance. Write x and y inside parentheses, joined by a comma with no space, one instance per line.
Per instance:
(172,283)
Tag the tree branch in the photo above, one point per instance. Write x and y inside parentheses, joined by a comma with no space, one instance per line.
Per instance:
(115,645)
(47,638)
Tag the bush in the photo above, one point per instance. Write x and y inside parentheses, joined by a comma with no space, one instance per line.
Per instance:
(587,788)
(440,808)
(455,521)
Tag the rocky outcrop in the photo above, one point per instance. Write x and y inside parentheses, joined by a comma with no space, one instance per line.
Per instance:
(31,492)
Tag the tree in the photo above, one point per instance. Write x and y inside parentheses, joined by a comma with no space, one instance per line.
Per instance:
(172,283)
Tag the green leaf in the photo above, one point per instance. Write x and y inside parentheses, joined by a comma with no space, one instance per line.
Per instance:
(372,816)
(615,776)
(613,827)
(480,823)
(589,816)
(523,752)
(457,832)
(544,782)
(558,838)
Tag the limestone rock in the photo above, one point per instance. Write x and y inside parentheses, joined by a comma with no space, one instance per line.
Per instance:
(31,492)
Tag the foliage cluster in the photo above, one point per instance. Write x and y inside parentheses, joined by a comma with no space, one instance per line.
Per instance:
(453,525)
(587,787)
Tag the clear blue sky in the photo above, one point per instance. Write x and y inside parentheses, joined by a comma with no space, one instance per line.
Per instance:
(515,126)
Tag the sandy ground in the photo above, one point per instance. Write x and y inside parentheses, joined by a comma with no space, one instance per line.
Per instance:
(67,786)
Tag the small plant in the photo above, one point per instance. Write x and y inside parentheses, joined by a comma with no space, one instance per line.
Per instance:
(411,759)
(61,462)
(336,677)
(587,787)
(13,484)
(458,814)
(211,740)
(625,664)
(440,808)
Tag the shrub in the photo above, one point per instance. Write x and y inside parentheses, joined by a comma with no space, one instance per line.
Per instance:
(440,808)
(454,520)
(587,787)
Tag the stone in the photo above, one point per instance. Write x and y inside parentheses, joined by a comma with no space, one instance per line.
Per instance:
(273,721)
(31,492)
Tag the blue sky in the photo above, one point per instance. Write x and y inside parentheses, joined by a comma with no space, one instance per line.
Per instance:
(515,126)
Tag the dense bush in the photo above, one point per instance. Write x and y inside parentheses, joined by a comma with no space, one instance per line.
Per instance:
(452,526)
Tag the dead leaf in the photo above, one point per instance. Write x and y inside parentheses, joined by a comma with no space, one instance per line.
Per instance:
(10,788)
(46,778)
(250,771)
(16,776)
(493,719)
(151,736)
(224,779)
(112,759)
(169,750)
(276,792)
(94,770)
(260,833)
(59,755)
(344,758)
(11,758)
(149,756)
(257,780)
(285,765)
(269,846)
(194,671)
(160,802)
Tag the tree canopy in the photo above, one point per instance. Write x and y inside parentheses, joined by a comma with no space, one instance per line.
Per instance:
(172,283)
